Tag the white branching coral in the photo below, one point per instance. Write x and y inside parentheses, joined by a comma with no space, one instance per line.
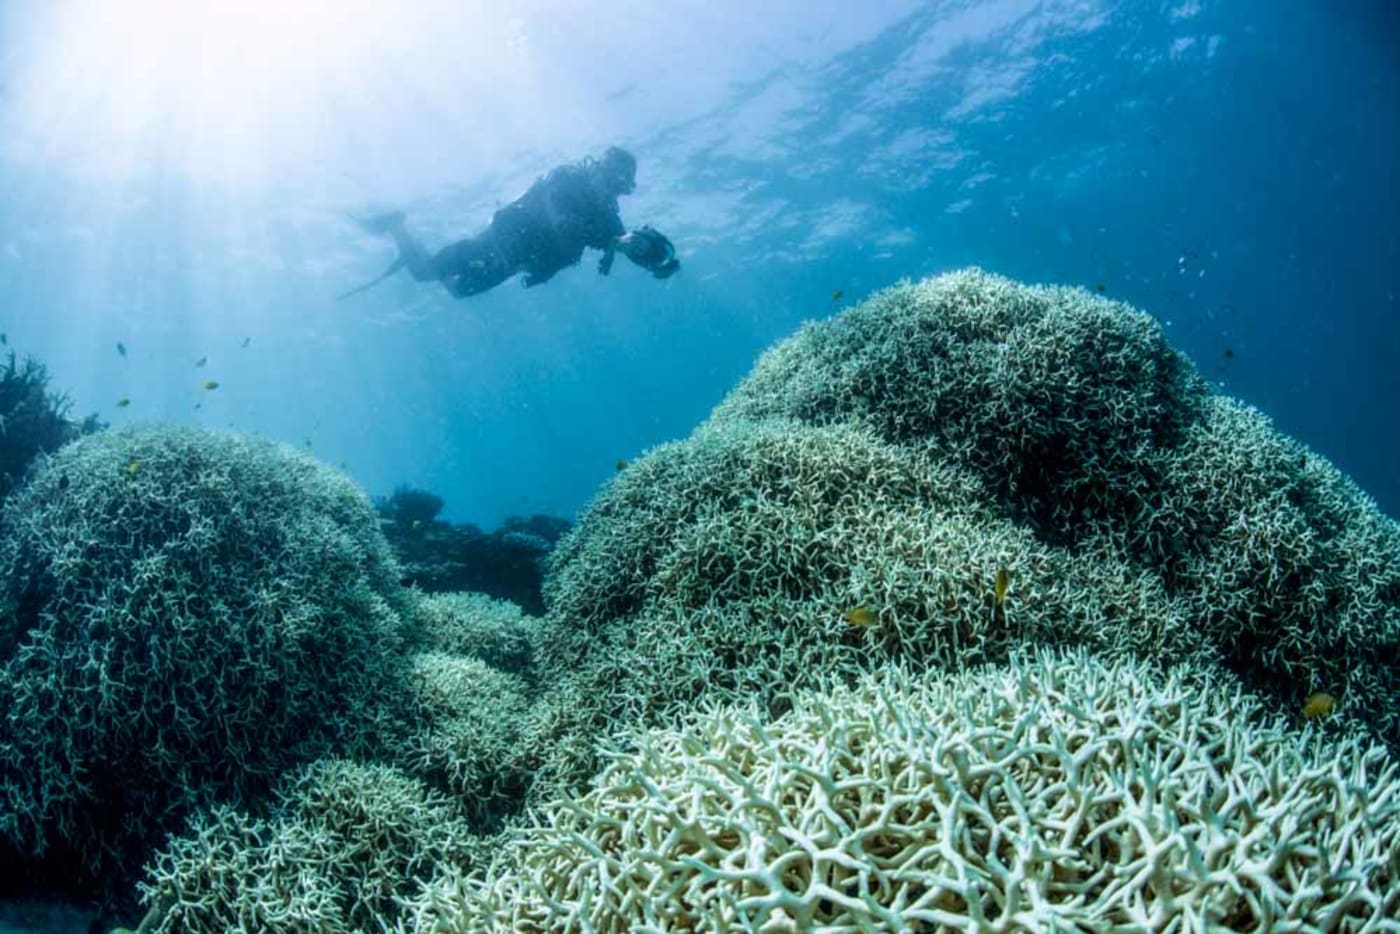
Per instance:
(898,454)
(342,847)
(1056,793)
(495,631)
(185,612)
(721,566)
(467,725)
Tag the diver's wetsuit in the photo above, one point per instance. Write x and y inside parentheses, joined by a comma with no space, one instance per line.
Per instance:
(541,232)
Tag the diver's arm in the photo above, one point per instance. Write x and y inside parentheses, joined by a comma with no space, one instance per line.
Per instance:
(613,230)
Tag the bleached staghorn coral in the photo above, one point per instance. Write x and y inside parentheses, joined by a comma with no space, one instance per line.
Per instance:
(466,724)
(1056,793)
(1064,401)
(746,507)
(1283,562)
(495,631)
(183,613)
(1084,427)
(467,699)
(720,566)
(343,845)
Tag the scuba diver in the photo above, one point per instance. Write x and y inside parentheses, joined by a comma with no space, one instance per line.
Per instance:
(541,232)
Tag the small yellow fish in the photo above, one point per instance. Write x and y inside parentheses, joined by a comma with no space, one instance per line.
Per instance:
(622,464)
(123,402)
(208,384)
(133,467)
(861,616)
(1319,704)
(1003,582)
(836,296)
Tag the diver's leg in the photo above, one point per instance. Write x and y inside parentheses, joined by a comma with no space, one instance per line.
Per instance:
(469,267)
(379,224)
(414,256)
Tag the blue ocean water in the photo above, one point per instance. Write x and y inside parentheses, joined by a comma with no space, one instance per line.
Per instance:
(177,179)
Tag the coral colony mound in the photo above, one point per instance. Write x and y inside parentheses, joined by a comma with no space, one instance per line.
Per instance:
(952,469)
(186,615)
(971,608)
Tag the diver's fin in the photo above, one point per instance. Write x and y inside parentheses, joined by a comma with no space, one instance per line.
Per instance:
(380,224)
(394,267)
